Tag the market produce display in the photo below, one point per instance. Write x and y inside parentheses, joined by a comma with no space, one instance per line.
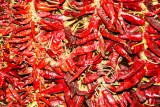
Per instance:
(79,53)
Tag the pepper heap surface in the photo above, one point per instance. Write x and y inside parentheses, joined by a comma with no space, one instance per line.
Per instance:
(95,53)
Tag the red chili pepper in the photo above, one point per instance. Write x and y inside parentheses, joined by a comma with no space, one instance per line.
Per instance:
(152,56)
(79,101)
(150,65)
(123,99)
(77,4)
(153,101)
(101,45)
(93,77)
(25,45)
(57,37)
(21,11)
(4,73)
(89,61)
(15,74)
(89,7)
(90,27)
(25,21)
(85,39)
(108,45)
(6,32)
(152,45)
(133,6)
(67,95)
(127,96)
(54,89)
(59,71)
(3,23)
(155,37)
(81,69)
(134,36)
(45,37)
(141,95)
(1,80)
(36,83)
(71,64)
(152,72)
(133,28)
(44,14)
(102,16)
(15,94)
(121,20)
(84,49)
(158,42)
(133,49)
(135,99)
(110,36)
(44,8)
(29,15)
(45,4)
(133,19)
(89,85)
(49,75)
(109,9)
(25,7)
(4,17)
(44,25)
(56,25)
(151,30)
(152,92)
(57,103)
(43,62)
(111,80)
(133,69)
(19,40)
(45,100)
(70,13)
(37,98)
(120,103)
(33,30)
(84,12)
(109,98)
(101,101)
(113,59)
(122,52)
(22,28)
(152,21)
(23,33)
(132,81)
(91,91)
(149,5)
(143,86)
(56,17)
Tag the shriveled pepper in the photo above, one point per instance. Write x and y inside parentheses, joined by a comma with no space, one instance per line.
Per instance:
(133,69)
(132,81)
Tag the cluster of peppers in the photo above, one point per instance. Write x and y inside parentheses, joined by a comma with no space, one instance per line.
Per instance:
(96,53)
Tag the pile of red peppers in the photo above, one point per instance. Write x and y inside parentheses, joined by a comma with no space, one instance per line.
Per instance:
(80,53)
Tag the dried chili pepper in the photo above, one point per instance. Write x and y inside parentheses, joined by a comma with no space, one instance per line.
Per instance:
(133,69)
(152,45)
(132,81)
(122,52)
(112,37)
(109,98)
(153,22)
